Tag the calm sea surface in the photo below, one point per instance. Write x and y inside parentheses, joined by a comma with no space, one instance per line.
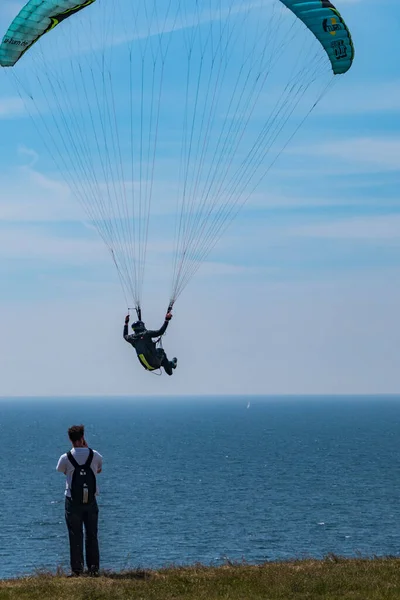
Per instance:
(205,479)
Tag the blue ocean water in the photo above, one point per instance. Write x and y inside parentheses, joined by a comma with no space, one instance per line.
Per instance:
(205,479)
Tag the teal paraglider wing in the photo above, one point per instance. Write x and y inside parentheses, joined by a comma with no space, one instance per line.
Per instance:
(328,26)
(35,19)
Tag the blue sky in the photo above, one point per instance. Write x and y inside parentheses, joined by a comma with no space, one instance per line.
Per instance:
(299,296)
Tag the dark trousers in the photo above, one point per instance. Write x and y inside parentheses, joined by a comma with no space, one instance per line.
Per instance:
(78,516)
(164,361)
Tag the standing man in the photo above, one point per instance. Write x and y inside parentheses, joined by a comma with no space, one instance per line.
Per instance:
(81,465)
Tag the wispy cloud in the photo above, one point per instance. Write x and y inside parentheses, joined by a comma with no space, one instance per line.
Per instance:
(377,153)
(372,228)
(11,108)
(362,99)
(343,195)
(30,196)
(183,20)
(37,244)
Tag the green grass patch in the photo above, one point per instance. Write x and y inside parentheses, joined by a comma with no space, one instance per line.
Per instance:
(333,578)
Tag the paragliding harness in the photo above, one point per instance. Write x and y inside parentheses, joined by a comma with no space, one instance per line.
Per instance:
(159,346)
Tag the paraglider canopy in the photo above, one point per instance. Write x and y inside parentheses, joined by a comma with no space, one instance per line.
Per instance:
(164,116)
(326,23)
(35,19)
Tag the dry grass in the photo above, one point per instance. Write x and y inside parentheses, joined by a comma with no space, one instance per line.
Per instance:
(333,578)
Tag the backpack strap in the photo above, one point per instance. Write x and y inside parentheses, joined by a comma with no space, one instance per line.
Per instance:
(72,460)
(89,459)
(76,465)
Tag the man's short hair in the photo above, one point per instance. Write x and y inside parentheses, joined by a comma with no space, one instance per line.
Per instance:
(76,432)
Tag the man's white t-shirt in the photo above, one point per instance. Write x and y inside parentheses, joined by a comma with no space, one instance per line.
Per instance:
(80,455)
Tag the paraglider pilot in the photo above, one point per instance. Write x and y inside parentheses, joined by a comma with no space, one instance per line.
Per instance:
(149,355)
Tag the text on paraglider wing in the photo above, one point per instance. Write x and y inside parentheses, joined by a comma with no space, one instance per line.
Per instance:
(332,26)
(15,42)
(340,49)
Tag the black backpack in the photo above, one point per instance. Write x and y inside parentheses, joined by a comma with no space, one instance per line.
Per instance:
(83,486)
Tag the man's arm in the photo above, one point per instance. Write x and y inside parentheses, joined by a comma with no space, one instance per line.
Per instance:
(61,465)
(99,461)
(163,329)
(126,331)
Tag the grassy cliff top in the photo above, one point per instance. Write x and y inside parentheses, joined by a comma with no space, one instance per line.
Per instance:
(333,578)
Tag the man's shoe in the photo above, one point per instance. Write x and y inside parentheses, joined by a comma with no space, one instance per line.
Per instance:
(74,574)
(174,362)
